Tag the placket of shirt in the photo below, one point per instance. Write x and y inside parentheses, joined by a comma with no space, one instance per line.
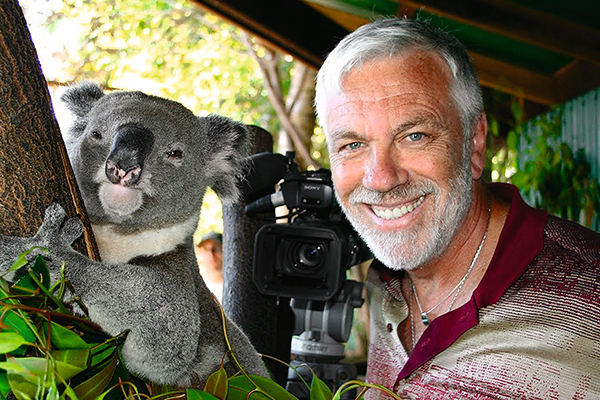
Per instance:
(394,310)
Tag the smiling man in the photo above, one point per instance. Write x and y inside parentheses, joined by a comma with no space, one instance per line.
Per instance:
(473,293)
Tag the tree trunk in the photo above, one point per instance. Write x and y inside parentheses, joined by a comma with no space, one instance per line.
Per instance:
(299,103)
(34,167)
(272,82)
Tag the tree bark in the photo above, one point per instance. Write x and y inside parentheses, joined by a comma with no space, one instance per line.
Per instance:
(34,166)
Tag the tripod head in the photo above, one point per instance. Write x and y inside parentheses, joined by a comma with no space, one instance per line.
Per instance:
(323,326)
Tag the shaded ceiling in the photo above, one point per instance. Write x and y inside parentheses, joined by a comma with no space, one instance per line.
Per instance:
(543,51)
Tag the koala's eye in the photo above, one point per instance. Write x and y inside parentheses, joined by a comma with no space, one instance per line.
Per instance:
(175,154)
(96,135)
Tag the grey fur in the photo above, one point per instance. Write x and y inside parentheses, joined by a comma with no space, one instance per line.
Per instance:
(148,282)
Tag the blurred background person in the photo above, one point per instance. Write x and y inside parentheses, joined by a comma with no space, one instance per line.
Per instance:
(209,251)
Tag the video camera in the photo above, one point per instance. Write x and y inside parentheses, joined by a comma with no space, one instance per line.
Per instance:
(307,257)
(306,260)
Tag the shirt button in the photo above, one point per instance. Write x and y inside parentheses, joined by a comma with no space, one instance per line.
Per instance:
(389,327)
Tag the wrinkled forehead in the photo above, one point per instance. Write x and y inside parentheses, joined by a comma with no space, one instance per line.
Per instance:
(418,79)
(418,70)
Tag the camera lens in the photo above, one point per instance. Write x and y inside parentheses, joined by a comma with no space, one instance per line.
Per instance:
(311,255)
(302,258)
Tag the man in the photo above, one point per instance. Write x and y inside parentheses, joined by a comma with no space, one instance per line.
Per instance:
(473,294)
(209,252)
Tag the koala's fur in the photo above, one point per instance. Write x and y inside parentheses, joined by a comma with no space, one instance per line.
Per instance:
(144,202)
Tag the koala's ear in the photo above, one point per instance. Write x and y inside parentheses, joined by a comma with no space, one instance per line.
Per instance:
(80,98)
(230,144)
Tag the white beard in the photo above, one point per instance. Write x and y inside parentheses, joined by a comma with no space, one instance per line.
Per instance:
(410,249)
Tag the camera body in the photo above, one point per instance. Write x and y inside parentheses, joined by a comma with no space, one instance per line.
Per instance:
(307,257)
(305,260)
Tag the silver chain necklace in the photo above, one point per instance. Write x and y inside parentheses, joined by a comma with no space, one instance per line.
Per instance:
(424,314)
(457,289)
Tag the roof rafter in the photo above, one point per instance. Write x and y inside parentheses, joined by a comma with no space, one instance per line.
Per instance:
(521,23)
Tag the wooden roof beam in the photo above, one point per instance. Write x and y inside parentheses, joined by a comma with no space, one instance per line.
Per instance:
(515,80)
(284,24)
(575,79)
(520,23)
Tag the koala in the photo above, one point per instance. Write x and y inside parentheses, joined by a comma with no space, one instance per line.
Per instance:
(143,164)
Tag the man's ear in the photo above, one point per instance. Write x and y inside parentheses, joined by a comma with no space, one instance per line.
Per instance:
(478,146)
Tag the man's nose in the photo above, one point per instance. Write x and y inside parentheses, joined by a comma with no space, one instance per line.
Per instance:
(384,171)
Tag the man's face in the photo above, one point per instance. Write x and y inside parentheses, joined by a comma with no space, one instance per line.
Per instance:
(399,168)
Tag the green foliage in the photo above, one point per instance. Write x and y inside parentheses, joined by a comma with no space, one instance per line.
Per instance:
(559,180)
(167,48)
(47,353)
(550,175)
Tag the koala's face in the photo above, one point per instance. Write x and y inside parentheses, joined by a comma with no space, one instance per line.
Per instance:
(144,161)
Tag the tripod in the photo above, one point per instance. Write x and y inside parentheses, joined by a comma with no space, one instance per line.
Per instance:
(323,327)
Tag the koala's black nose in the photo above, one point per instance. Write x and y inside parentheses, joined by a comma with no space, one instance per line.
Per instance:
(131,145)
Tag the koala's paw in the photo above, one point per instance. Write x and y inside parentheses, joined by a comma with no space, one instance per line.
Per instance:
(53,219)
(54,233)
(71,230)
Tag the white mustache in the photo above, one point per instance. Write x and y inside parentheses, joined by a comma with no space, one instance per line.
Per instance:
(364,195)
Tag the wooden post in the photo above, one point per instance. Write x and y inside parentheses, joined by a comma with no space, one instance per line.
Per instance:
(267,323)
(34,167)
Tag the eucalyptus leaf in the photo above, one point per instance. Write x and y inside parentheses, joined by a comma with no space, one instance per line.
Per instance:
(94,386)
(217,384)
(240,387)
(17,323)
(11,366)
(63,338)
(10,341)
(70,362)
(319,390)
(22,261)
(4,386)
(27,284)
(29,378)
(193,394)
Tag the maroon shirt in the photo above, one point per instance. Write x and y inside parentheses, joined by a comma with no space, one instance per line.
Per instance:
(530,330)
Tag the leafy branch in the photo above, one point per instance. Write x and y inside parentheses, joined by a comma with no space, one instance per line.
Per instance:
(49,354)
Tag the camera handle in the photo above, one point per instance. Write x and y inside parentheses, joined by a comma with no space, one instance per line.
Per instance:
(323,327)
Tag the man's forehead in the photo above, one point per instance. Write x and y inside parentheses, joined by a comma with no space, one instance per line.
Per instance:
(415,67)
(393,82)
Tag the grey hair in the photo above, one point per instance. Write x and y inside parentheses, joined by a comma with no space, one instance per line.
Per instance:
(390,37)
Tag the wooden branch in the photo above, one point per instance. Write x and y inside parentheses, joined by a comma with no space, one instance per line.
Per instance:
(294,95)
(34,166)
(280,109)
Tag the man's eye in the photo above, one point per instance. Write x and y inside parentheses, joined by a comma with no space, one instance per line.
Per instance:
(353,146)
(415,137)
